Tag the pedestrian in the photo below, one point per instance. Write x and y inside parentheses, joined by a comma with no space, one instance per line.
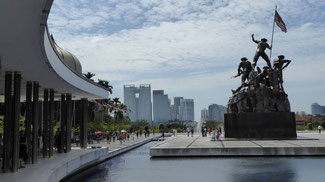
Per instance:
(56,140)
(108,136)
(97,138)
(114,136)
(77,140)
(163,132)
(209,131)
(220,130)
(120,138)
(153,132)
(137,133)
(192,131)
(213,138)
(188,131)
(319,129)
(140,133)
(218,135)
(205,131)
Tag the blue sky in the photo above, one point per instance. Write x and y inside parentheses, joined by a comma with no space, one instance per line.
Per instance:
(191,48)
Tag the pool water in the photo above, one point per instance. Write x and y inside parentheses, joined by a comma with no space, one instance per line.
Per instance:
(138,166)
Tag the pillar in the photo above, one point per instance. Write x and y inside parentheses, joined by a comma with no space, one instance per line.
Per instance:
(16,121)
(84,123)
(28,121)
(35,121)
(45,122)
(68,116)
(7,142)
(51,120)
(62,124)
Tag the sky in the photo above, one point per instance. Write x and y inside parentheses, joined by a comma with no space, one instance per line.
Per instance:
(191,48)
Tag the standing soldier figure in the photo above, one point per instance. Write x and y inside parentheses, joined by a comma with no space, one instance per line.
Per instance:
(261,46)
(278,65)
(244,69)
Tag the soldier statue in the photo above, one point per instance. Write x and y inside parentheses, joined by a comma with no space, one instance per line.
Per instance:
(244,69)
(278,65)
(261,46)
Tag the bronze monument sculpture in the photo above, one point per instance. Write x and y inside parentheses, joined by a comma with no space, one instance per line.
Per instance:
(259,107)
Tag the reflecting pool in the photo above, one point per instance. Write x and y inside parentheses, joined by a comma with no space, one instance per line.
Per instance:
(138,166)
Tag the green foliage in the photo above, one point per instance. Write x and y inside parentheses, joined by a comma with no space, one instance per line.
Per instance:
(139,125)
(310,126)
(161,126)
(212,123)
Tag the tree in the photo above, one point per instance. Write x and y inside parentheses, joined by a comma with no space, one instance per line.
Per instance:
(212,123)
(89,75)
(106,84)
(161,126)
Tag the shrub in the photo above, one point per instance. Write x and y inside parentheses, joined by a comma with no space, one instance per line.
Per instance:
(310,126)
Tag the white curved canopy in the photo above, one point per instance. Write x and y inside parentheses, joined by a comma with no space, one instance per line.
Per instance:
(25,46)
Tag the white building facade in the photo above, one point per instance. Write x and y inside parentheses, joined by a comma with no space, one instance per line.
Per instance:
(186,110)
(216,112)
(138,100)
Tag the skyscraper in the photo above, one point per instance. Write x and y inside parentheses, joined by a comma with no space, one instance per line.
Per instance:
(138,100)
(161,107)
(316,109)
(186,110)
(216,112)
(204,115)
(177,102)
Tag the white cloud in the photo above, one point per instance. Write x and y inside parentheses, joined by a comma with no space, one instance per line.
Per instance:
(191,47)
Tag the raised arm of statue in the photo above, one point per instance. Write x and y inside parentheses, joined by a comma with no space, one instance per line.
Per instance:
(254,39)
(287,62)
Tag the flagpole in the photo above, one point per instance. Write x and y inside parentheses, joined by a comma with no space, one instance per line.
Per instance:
(272,34)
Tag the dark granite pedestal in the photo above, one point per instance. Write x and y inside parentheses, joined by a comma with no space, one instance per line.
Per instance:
(260,125)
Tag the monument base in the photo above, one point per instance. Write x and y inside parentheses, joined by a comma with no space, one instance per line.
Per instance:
(260,125)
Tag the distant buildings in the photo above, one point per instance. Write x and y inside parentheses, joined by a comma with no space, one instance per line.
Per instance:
(138,100)
(186,110)
(161,107)
(214,112)
(317,109)
(204,115)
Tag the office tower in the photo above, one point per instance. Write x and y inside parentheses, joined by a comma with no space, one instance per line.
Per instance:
(204,115)
(177,101)
(216,112)
(138,100)
(316,109)
(186,110)
(161,107)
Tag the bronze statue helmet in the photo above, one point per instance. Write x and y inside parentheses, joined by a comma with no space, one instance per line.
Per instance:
(281,57)
(244,59)
(264,39)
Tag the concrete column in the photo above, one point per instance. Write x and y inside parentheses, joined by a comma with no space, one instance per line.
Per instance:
(35,121)
(16,121)
(68,122)
(62,124)
(51,120)
(7,142)
(84,123)
(28,121)
(45,122)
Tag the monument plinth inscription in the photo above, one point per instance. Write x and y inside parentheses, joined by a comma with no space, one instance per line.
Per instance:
(259,107)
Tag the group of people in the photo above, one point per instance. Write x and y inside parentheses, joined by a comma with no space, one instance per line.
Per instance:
(216,132)
(112,136)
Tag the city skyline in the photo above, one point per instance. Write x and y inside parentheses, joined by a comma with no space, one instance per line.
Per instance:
(192,48)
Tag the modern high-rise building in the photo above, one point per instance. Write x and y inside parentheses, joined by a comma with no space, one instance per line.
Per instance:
(317,109)
(138,100)
(161,107)
(186,110)
(204,115)
(177,103)
(216,112)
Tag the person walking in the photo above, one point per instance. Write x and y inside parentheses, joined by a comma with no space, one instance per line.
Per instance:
(188,131)
(218,135)
(192,131)
(213,138)
(319,129)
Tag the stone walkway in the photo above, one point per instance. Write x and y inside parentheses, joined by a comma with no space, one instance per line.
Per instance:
(60,165)
(308,143)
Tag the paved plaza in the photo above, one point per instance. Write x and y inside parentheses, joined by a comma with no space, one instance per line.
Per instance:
(307,143)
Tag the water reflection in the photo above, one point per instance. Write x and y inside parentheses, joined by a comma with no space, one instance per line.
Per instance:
(137,166)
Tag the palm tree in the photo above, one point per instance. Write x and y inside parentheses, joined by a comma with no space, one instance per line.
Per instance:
(106,84)
(89,75)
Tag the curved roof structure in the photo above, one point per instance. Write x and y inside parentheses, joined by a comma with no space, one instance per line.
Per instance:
(26,46)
